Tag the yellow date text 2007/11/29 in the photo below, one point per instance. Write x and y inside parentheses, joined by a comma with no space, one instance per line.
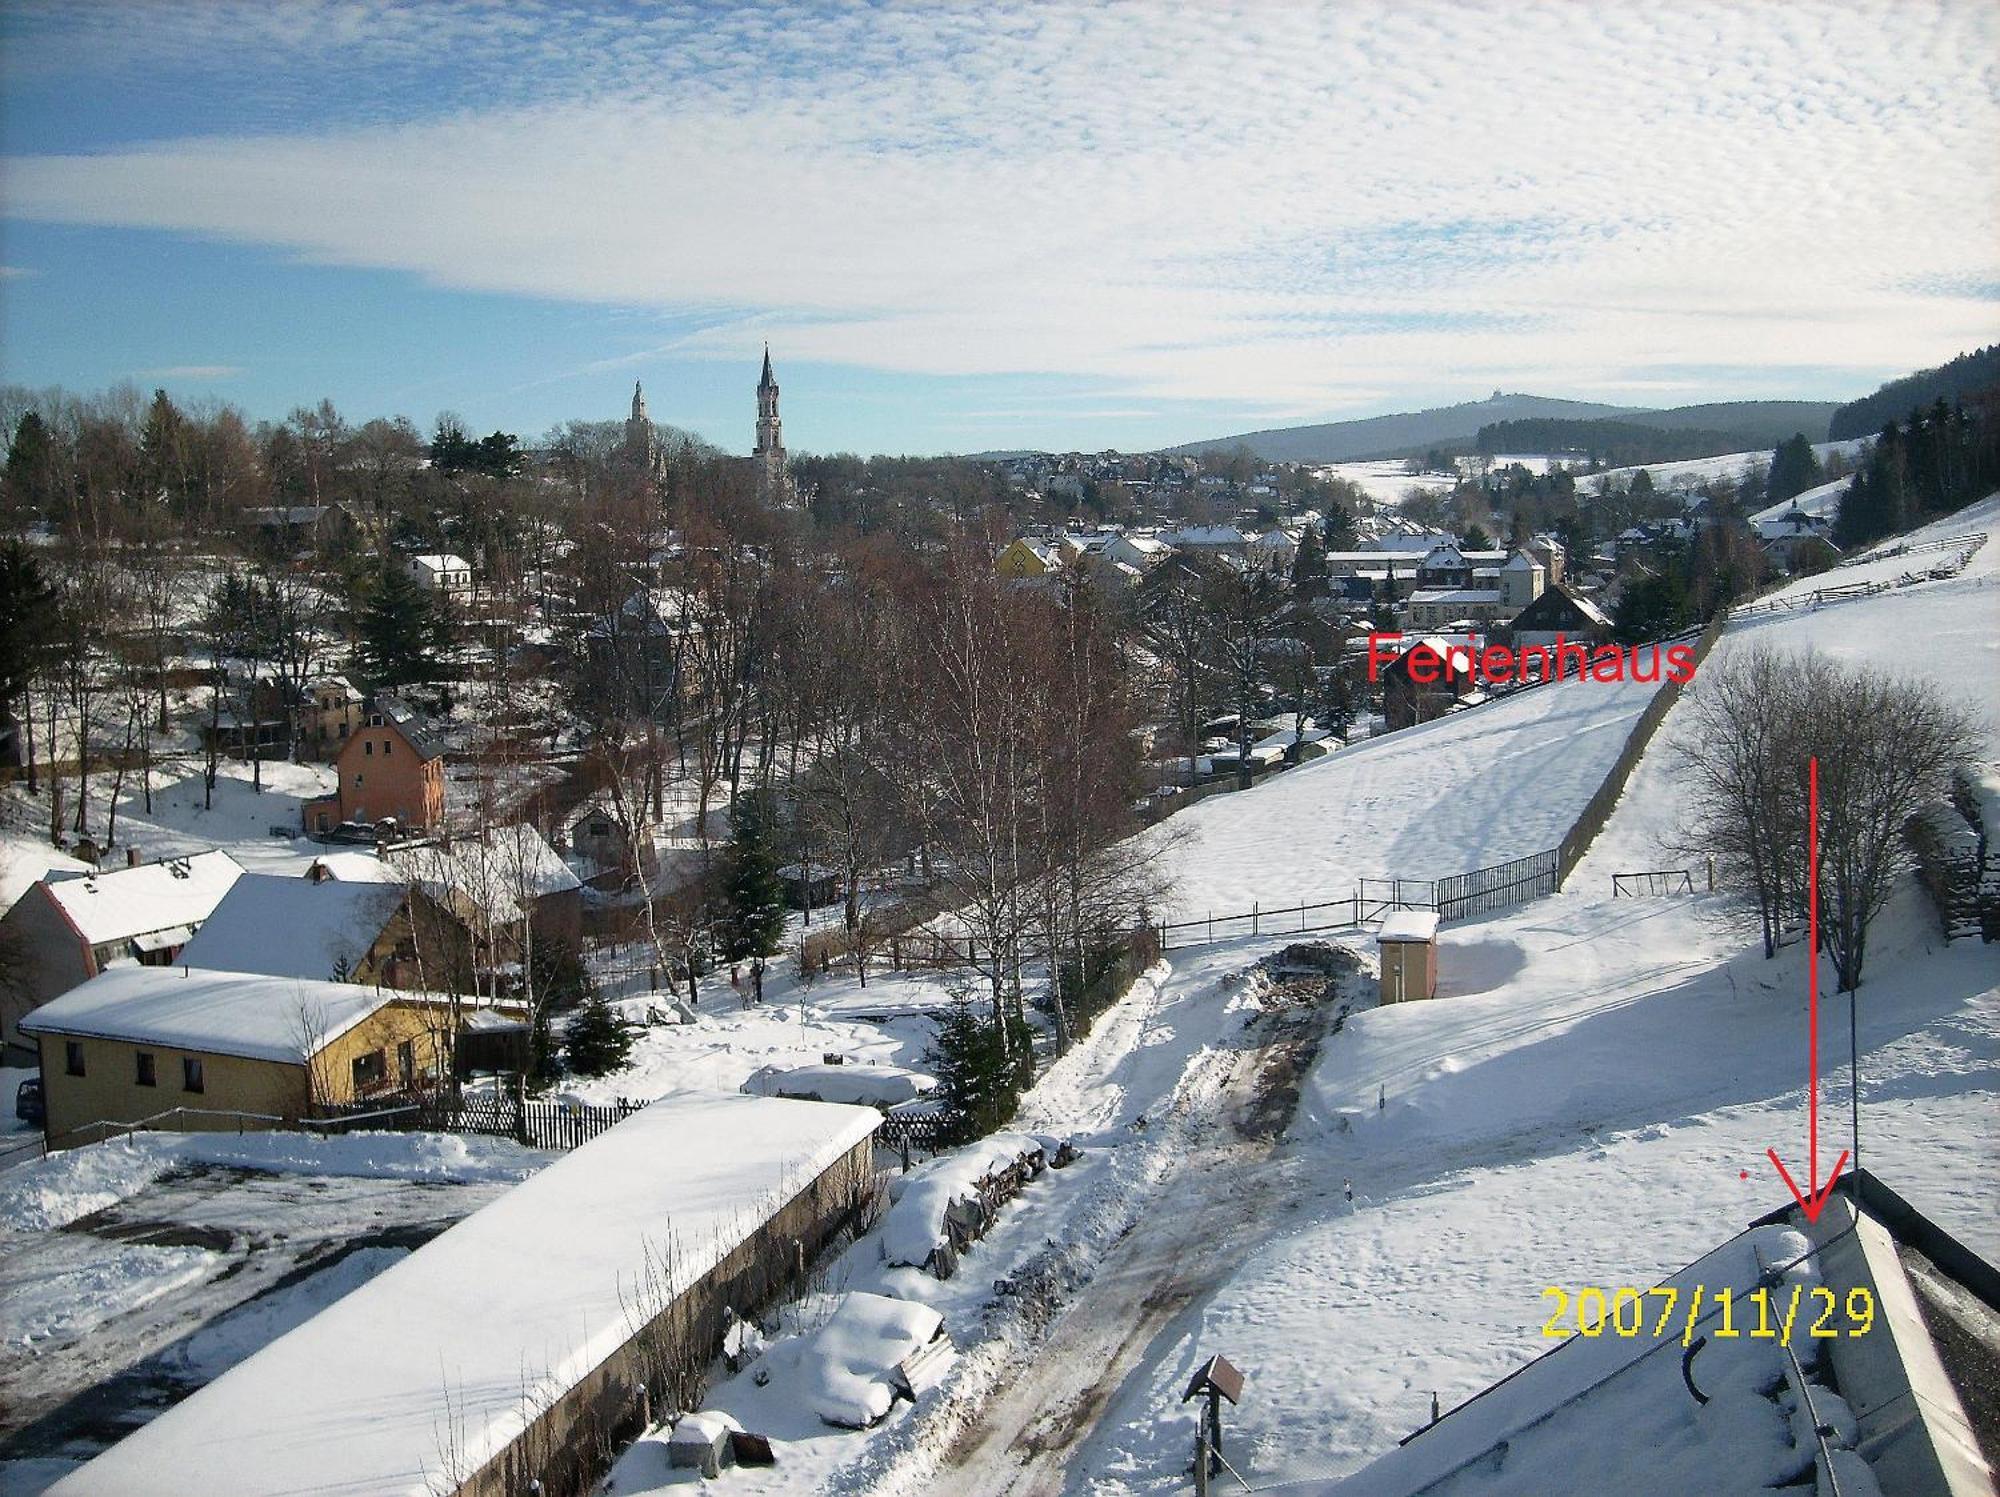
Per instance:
(1667,1311)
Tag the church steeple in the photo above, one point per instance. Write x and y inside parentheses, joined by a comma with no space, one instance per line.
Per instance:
(641,447)
(773,483)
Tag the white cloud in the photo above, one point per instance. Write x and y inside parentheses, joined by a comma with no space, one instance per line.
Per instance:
(1266,203)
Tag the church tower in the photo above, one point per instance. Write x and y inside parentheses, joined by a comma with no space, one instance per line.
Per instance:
(773,483)
(640,443)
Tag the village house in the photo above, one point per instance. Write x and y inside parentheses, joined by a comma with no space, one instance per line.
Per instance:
(1432,676)
(135,1042)
(329,714)
(387,934)
(496,882)
(1559,611)
(1513,587)
(560,1312)
(389,767)
(442,572)
(72,926)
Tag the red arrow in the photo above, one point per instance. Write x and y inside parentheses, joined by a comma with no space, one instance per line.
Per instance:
(1811,1201)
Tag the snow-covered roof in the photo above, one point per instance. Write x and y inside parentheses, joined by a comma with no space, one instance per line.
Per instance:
(1455,595)
(218,1013)
(866,1085)
(492,872)
(1205,535)
(294,927)
(128,902)
(1409,925)
(441,561)
(513,1306)
(1522,562)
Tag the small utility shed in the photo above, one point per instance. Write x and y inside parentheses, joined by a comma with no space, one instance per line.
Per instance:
(506,1351)
(1408,942)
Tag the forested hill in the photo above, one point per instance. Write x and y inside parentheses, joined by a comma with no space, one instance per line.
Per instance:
(1738,426)
(1406,431)
(1963,376)
(1663,436)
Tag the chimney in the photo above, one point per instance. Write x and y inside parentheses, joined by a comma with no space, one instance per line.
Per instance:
(131,857)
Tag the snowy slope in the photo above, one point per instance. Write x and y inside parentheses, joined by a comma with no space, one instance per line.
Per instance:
(1466,791)
(1701,470)
(1588,1103)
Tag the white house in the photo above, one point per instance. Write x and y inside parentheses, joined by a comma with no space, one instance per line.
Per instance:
(442,572)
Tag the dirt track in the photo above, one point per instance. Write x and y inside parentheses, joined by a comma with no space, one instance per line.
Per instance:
(1215,1205)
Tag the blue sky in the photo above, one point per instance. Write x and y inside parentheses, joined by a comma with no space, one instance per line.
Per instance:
(1007,225)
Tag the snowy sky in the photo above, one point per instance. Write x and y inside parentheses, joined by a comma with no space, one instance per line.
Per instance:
(968,226)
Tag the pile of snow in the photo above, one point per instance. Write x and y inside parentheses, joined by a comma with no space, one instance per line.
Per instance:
(52,1192)
(844,1371)
(119,1277)
(914,1227)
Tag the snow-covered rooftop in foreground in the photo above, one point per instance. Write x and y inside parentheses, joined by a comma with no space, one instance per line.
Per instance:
(530,1292)
(293,927)
(127,902)
(1610,1413)
(221,1013)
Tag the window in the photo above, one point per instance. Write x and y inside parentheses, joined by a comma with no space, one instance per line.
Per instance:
(191,1077)
(73,1057)
(370,1071)
(368,747)
(357,782)
(387,744)
(146,1074)
(406,1061)
(600,829)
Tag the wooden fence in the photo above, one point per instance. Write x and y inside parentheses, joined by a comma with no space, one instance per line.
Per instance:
(543,1125)
(1653,881)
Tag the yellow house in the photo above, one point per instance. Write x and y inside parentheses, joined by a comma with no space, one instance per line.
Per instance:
(1023,558)
(136,1042)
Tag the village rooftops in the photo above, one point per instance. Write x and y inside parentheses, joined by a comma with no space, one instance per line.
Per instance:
(474,1334)
(218,1013)
(128,902)
(294,927)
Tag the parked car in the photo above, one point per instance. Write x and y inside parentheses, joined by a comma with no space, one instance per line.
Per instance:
(28,1101)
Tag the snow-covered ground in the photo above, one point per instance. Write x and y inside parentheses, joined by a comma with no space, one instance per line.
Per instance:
(133,1272)
(1821,500)
(1588,1103)
(1469,790)
(1700,470)
(1389,483)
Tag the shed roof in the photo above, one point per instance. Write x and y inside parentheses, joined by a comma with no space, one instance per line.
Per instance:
(1409,925)
(513,1306)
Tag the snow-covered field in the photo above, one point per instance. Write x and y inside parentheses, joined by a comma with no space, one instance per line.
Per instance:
(1700,470)
(1389,483)
(1469,790)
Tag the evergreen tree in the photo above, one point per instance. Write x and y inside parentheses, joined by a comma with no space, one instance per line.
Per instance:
(29,477)
(1653,606)
(403,630)
(599,1041)
(753,895)
(1339,526)
(1476,539)
(978,1086)
(1794,469)
(1309,566)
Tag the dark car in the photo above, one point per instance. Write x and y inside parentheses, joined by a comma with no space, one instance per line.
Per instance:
(28,1101)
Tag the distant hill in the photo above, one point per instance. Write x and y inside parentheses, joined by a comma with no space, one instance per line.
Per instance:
(1735,425)
(1386,436)
(1964,375)
(1663,436)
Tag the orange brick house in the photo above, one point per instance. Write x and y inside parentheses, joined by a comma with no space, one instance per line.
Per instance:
(389,766)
